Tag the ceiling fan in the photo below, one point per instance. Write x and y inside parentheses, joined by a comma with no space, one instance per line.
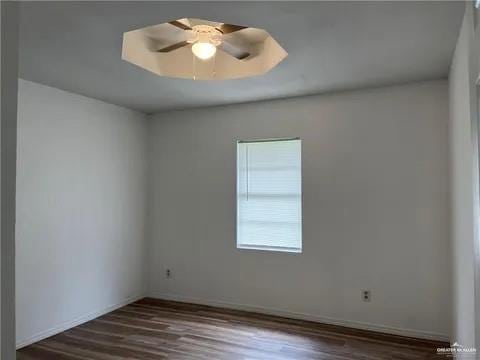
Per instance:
(205,39)
(235,51)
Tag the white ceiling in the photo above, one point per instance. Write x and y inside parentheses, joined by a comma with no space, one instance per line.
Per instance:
(76,46)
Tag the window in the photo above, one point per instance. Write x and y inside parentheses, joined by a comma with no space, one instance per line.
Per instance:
(269,195)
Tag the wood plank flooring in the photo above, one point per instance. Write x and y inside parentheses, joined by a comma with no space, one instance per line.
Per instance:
(155,329)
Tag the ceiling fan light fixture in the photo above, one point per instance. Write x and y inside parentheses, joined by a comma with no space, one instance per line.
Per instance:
(204,50)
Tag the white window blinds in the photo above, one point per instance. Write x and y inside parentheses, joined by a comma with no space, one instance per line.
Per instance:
(269,195)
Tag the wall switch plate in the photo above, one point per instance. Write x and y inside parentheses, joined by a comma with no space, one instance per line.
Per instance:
(366,295)
(168,273)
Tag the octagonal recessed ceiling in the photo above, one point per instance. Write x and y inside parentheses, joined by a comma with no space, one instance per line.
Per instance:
(202,50)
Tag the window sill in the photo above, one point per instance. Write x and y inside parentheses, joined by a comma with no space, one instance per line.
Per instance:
(269,248)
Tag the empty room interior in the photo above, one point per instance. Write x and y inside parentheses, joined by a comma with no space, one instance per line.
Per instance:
(248,180)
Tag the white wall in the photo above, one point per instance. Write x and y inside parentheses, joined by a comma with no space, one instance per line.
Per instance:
(80,209)
(463,170)
(375,209)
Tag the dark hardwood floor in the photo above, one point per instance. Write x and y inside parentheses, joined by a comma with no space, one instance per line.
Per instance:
(154,329)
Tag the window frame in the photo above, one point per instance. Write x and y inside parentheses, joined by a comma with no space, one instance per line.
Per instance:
(282,249)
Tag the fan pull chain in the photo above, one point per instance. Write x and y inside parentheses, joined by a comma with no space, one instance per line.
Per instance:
(247,173)
(194,67)
(214,65)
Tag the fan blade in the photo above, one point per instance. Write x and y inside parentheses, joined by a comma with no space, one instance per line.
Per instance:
(234,51)
(229,28)
(173,47)
(180,25)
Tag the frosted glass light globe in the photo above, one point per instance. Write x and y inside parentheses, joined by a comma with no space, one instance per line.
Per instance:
(204,50)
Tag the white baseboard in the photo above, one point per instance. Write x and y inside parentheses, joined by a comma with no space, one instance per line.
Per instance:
(78,321)
(420,334)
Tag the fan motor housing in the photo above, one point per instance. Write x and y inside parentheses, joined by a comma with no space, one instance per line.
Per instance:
(206,33)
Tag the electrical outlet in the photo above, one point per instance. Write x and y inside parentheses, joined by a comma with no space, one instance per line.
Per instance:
(168,273)
(366,295)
